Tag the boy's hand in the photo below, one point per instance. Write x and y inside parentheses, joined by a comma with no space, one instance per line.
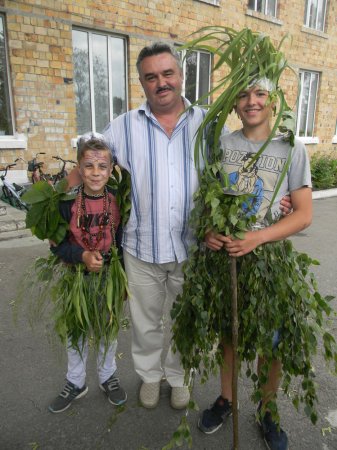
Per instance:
(92,260)
(215,241)
(240,247)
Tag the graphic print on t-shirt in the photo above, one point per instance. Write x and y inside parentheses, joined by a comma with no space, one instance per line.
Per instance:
(258,178)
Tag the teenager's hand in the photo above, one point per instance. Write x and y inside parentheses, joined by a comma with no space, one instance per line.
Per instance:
(93,260)
(286,206)
(215,241)
(240,247)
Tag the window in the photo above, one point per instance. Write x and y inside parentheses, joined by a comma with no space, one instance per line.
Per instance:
(315,11)
(99,79)
(197,67)
(307,103)
(6,112)
(267,7)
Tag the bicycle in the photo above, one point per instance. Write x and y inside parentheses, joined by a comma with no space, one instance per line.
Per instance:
(36,169)
(62,172)
(12,192)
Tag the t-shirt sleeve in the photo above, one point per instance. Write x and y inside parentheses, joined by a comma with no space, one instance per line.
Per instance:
(299,170)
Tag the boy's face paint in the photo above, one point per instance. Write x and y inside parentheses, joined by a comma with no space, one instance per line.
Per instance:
(95,168)
(253,108)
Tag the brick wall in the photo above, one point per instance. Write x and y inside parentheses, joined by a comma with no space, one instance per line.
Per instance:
(40,57)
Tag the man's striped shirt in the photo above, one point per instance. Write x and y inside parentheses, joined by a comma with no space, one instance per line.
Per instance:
(163,180)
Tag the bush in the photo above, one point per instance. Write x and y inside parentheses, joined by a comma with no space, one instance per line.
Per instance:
(323,171)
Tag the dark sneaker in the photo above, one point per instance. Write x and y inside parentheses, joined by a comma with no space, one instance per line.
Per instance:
(212,419)
(274,437)
(115,393)
(64,399)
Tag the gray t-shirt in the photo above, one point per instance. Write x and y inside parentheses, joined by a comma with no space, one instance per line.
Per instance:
(261,178)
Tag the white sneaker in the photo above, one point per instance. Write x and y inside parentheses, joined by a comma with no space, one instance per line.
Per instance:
(180,396)
(149,394)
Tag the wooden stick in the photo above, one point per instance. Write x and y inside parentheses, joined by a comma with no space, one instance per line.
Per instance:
(235,333)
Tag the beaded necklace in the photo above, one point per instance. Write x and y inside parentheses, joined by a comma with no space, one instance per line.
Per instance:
(91,240)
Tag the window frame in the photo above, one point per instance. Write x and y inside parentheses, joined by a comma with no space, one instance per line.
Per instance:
(7,78)
(265,11)
(184,62)
(307,139)
(90,32)
(307,16)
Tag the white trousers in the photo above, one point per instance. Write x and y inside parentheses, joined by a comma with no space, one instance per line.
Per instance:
(77,362)
(150,286)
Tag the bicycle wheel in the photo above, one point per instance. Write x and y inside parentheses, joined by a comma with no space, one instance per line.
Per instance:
(12,199)
(7,196)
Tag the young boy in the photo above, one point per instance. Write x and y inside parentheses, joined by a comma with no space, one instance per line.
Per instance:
(260,178)
(93,218)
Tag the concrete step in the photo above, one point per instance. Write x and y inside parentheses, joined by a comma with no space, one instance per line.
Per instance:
(12,220)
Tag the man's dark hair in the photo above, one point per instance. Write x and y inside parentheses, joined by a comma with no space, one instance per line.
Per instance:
(156,49)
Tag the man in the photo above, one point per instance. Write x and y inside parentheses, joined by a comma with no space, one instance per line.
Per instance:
(155,144)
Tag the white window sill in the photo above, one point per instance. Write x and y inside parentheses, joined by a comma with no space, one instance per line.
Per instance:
(211,2)
(265,17)
(308,139)
(7,142)
(314,32)
(334,140)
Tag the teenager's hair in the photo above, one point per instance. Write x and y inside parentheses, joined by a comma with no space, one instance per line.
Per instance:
(91,141)
(156,49)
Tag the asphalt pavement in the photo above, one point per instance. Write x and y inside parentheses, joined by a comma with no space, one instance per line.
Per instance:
(32,371)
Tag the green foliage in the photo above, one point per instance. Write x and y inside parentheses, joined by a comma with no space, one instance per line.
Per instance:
(323,171)
(121,182)
(43,217)
(276,291)
(84,303)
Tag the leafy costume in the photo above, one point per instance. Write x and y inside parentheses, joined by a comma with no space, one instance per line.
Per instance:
(84,303)
(275,288)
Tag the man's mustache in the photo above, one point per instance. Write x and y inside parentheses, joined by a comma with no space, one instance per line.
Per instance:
(163,88)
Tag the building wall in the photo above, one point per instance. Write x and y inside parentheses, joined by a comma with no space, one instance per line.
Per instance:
(40,57)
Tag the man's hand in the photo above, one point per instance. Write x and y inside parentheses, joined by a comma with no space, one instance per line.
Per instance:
(93,260)
(74,178)
(286,206)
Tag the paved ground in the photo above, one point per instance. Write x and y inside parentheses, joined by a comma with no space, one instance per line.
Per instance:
(32,371)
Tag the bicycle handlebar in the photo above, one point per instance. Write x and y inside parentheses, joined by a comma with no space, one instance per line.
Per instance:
(64,160)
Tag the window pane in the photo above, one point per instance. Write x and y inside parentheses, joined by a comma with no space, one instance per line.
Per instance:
(251,4)
(204,69)
(6,124)
(191,76)
(117,69)
(81,81)
(304,103)
(101,81)
(311,104)
(312,13)
(271,8)
(320,17)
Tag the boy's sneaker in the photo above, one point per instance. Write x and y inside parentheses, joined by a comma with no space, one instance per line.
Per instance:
(212,419)
(274,437)
(64,399)
(115,393)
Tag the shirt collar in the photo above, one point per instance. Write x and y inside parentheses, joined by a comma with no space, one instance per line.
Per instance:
(145,107)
